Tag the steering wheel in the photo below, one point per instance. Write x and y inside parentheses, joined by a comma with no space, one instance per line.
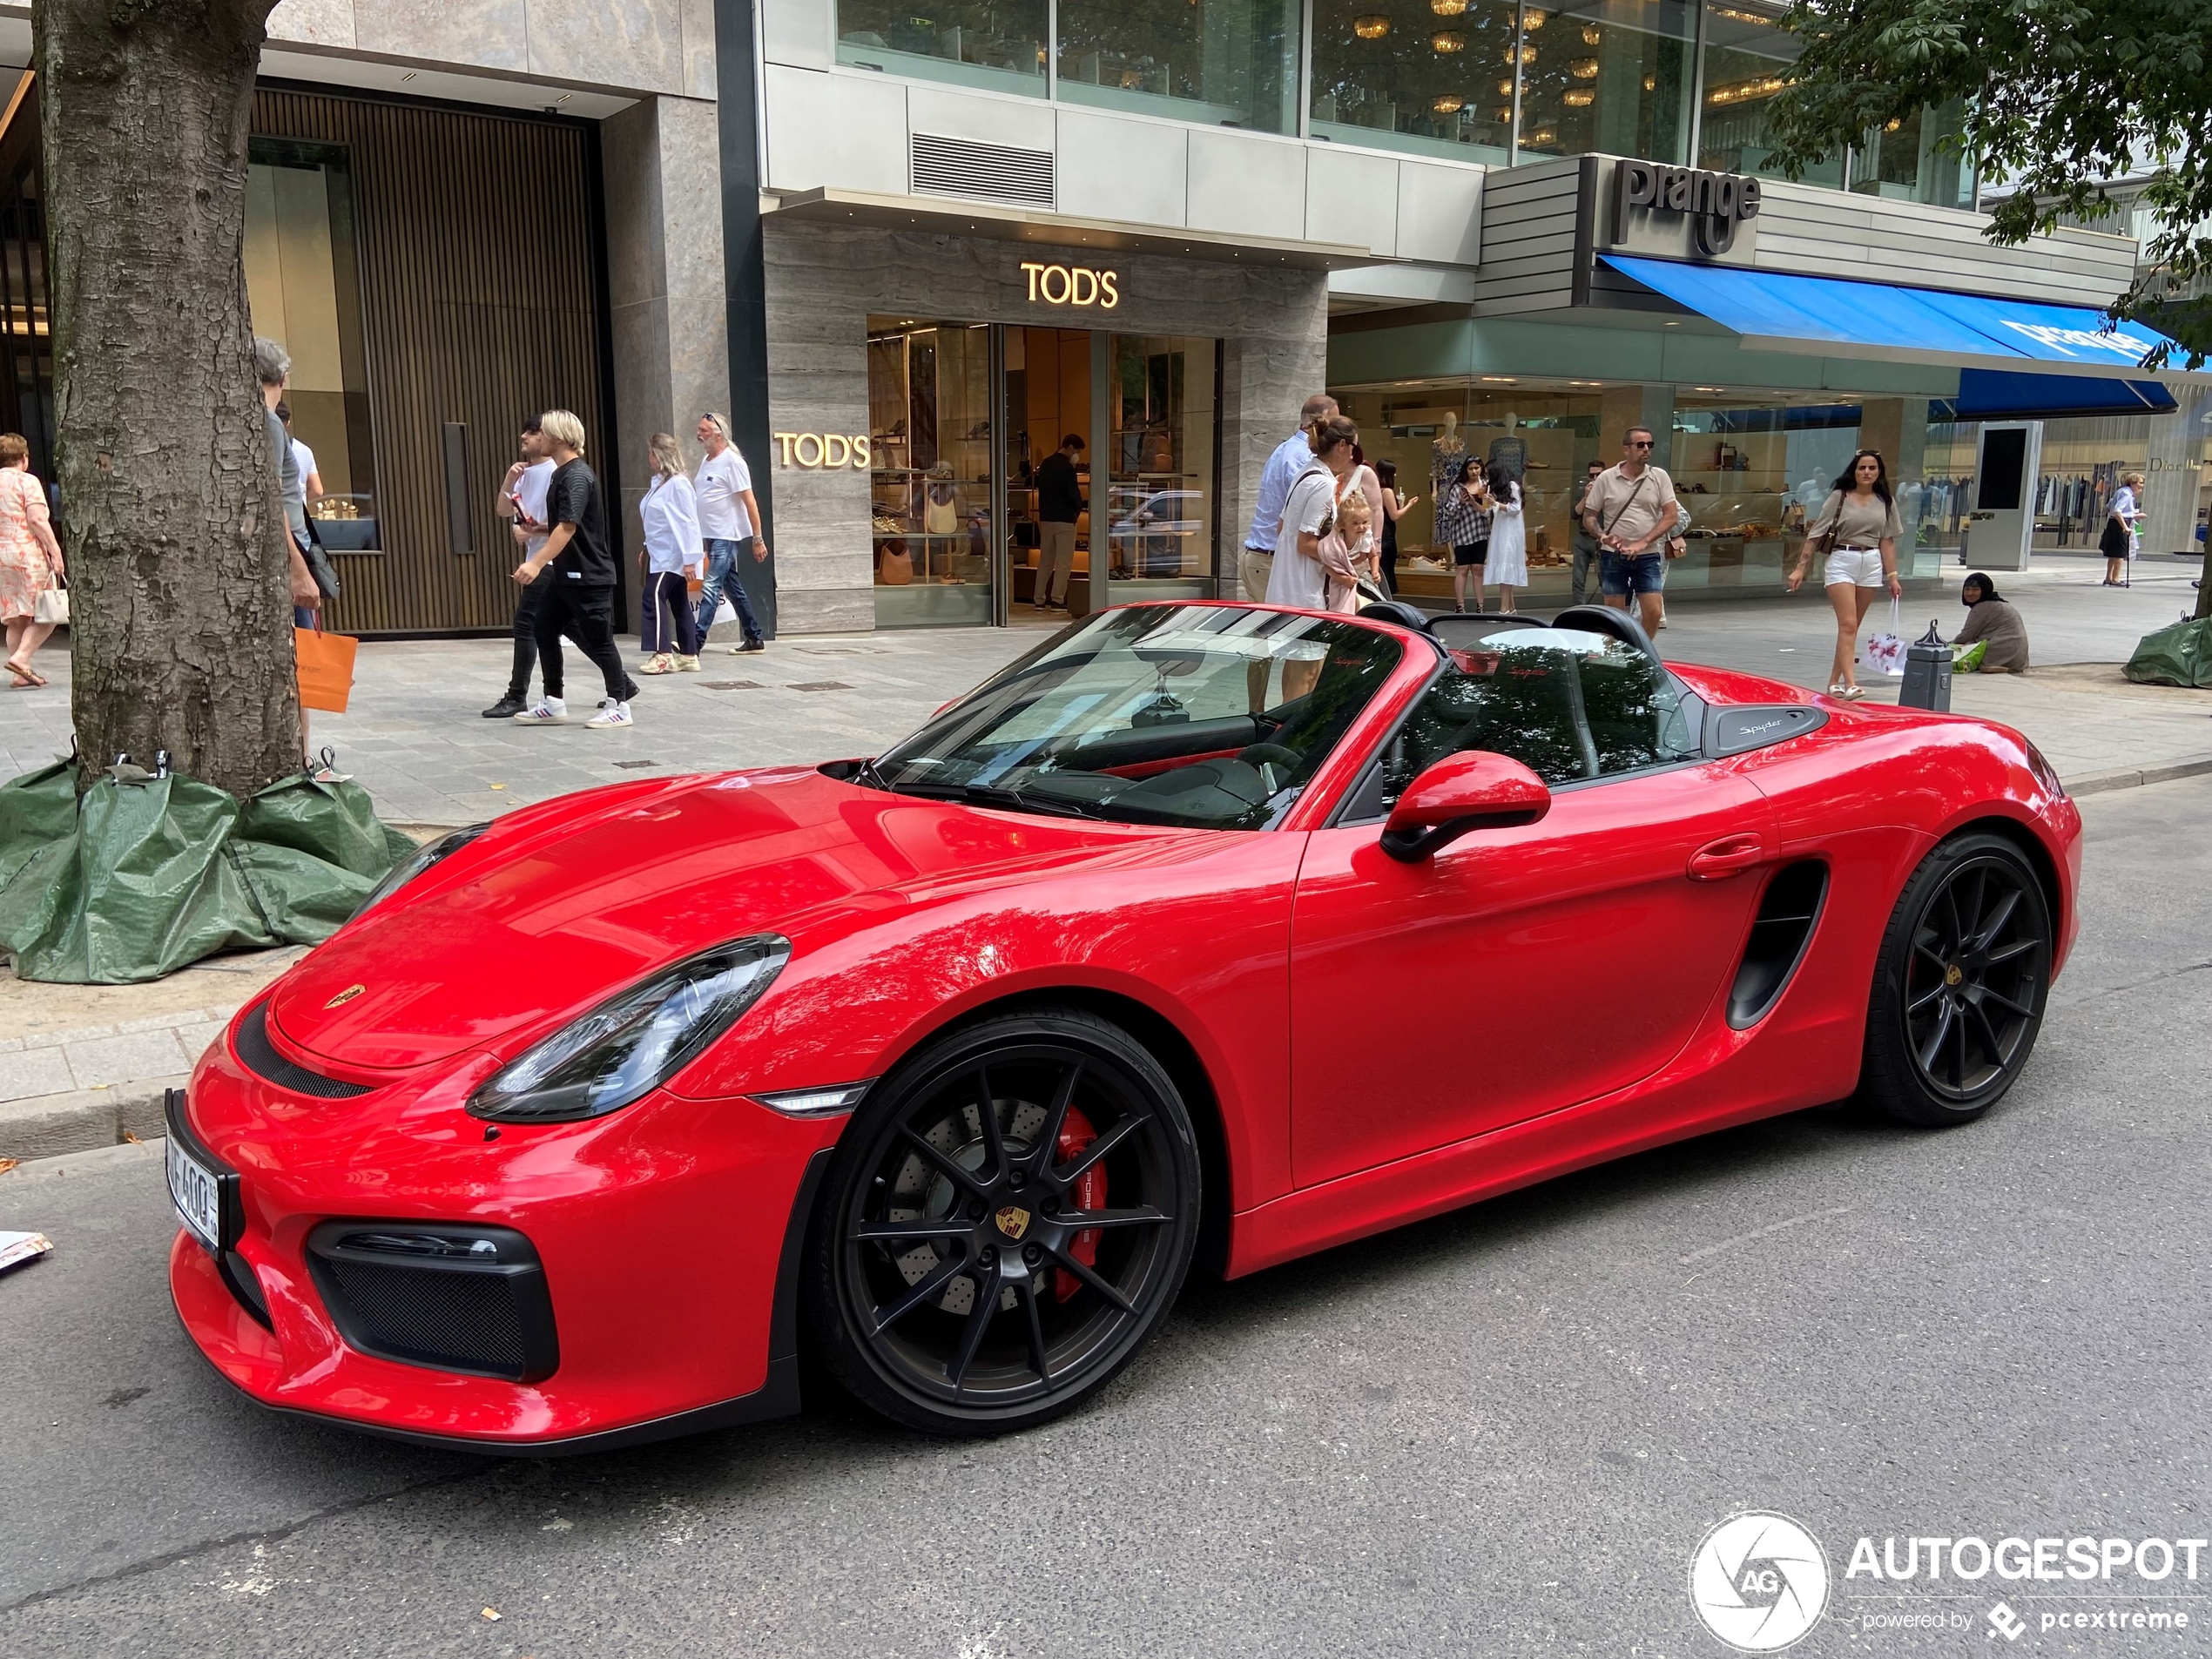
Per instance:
(1270,759)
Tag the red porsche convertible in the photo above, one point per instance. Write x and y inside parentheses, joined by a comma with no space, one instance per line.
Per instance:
(947,1065)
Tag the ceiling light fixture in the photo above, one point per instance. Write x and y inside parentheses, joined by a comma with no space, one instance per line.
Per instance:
(1374,26)
(1448,41)
(1583,69)
(1449,104)
(1579,97)
(1447,7)
(1592,35)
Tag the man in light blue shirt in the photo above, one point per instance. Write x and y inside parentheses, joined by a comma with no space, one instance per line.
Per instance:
(1292,456)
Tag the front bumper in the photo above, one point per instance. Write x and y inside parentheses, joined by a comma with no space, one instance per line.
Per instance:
(668,1232)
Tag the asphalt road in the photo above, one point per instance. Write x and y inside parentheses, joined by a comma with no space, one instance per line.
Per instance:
(1497,1432)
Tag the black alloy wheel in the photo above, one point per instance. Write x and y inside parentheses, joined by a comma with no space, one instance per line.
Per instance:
(1960,990)
(1010,1216)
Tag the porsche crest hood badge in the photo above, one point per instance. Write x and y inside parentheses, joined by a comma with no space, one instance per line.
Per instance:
(345,997)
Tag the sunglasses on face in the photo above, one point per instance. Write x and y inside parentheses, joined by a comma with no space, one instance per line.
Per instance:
(1637,443)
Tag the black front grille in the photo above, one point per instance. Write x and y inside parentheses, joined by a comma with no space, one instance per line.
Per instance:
(262,1059)
(482,1311)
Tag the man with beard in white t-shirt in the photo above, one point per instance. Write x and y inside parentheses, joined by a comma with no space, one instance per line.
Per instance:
(521,502)
(728,518)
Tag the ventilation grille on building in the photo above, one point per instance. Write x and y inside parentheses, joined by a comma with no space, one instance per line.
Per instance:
(959,167)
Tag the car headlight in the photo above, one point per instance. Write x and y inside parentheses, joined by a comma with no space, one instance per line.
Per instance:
(425,858)
(636,1041)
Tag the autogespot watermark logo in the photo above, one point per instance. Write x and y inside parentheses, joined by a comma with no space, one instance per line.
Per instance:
(1759,1581)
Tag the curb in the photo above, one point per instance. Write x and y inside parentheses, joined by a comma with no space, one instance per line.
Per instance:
(91,1162)
(2098,783)
(48,1125)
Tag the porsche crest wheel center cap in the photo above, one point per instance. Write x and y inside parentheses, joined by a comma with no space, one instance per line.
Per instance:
(1013,1220)
(1951,974)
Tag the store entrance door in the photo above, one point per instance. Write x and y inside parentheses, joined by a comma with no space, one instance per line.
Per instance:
(1052,393)
(1145,409)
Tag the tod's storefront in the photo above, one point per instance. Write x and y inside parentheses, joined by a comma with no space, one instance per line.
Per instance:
(921,370)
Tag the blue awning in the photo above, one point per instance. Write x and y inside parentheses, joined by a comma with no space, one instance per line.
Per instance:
(1778,311)
(1999,395)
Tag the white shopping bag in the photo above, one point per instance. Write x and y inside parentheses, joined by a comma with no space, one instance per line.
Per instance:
(724,611)
(1886,652)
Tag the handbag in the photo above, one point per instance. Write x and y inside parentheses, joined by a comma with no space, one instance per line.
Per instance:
(326,667)
(319,565)
(1886,652)
(53,605)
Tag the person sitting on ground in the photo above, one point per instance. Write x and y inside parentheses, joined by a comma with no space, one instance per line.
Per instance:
(1992,620)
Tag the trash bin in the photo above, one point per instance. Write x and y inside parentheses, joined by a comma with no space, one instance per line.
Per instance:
(1927,673)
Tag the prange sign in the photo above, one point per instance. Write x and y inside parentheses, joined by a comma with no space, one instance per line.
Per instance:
(1710,205)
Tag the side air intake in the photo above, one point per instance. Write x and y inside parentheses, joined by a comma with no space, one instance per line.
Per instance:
(1779,936)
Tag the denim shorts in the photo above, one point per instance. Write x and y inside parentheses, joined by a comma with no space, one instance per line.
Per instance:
(1622,574)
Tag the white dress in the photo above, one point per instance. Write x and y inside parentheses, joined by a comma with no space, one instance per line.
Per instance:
(1507,564)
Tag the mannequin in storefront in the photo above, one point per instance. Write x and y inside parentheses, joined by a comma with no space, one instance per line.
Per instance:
(1446,452)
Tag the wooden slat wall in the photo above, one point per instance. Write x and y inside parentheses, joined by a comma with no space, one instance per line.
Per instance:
(481,303)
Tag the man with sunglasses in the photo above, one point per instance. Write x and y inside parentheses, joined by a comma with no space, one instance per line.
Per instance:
(1630,509)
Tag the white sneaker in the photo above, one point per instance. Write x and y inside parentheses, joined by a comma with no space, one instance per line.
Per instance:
(609,715)
(547,711)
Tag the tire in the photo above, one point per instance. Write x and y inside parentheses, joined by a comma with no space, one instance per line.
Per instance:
(1960,985)
(951,1282)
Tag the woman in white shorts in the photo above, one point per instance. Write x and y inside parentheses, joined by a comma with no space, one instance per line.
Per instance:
(1859,530)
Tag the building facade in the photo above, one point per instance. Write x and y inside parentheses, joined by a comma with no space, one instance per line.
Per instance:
(911,253)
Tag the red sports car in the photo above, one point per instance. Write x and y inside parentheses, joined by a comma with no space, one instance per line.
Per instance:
(1203,932)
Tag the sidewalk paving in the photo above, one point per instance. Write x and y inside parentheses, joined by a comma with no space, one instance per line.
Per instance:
(83,1065)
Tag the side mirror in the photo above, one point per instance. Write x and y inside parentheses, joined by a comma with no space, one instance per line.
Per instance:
(1470,790)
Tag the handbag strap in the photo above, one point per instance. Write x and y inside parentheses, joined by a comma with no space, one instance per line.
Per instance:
(1642,478)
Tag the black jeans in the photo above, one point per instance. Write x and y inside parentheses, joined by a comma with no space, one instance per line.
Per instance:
(587,615)
(531,601)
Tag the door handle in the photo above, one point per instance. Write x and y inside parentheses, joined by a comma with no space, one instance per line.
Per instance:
(1730,856)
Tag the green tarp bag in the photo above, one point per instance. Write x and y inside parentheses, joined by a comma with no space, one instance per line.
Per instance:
(2180,655)
(137,880)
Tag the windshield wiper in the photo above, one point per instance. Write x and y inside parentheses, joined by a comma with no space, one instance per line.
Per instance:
(993,795)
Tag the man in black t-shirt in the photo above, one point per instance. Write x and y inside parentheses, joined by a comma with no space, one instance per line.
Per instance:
(576,560)
(1060,504)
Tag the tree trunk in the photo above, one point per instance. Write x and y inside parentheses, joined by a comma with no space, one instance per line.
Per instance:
(180,608)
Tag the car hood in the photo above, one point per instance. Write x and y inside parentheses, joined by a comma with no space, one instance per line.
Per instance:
(552,914)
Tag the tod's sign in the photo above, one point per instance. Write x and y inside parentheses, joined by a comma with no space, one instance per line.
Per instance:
(1665,211)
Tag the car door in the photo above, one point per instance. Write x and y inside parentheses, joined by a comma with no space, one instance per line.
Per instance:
(1520,970)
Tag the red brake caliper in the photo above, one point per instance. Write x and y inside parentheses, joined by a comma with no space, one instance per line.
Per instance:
(1076,1134)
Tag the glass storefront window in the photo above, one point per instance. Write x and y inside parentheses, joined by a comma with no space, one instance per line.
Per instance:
(1748,57)
(1913,160)
(1433,75)
(1160,489)
(1612,75)
(302,284)
(997,45)
(931,453)
(1227,63)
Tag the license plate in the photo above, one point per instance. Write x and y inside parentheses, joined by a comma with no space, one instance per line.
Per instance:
(197,1193)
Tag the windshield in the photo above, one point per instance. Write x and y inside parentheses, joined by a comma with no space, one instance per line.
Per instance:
(1209,716)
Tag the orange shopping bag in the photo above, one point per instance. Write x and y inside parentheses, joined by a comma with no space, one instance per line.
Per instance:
(326,669)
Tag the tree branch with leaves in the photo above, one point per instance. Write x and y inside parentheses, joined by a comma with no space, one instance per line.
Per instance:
(2061,98)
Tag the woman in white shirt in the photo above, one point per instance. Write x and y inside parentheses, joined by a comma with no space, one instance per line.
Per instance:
(1507,565)
(2118,542)
(673,556)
